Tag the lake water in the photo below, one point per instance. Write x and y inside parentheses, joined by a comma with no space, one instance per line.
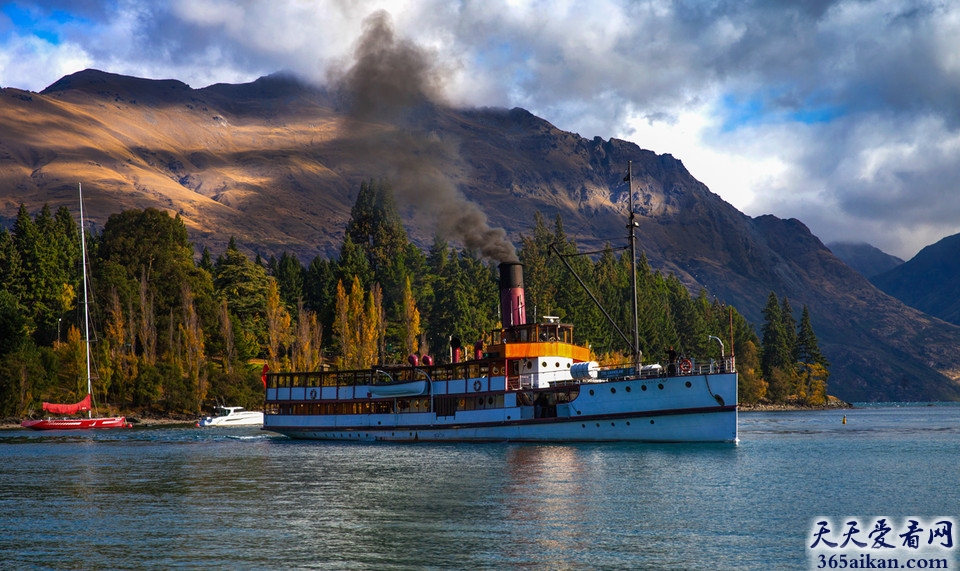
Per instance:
(189,498)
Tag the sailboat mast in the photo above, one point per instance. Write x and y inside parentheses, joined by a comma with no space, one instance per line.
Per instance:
(632,224)
(86,312)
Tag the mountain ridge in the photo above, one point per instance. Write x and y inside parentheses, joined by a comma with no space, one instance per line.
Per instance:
(276,163)
(928,281)
(865,258)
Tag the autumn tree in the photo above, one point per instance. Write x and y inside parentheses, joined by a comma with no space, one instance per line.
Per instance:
(812,365)
(278,328)
(307,351)
(752,387)
(410,323)
(193,347)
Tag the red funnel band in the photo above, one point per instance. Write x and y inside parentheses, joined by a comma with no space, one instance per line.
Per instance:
(512,306)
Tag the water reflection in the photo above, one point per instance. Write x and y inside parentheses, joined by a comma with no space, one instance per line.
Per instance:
(190,498)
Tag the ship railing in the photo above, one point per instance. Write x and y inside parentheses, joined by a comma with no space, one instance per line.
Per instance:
(471,369)
(526,382)
(726,364)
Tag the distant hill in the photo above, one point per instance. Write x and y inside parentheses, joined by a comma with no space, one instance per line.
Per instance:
(929,281)
(277,164)
(866,259)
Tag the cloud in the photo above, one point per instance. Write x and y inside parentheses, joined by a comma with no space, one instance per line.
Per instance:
(840,113)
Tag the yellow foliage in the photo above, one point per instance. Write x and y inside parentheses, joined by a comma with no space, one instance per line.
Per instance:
(278,326)
(411,320)
(359,325)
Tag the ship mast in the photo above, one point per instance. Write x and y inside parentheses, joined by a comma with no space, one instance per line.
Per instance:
(86,312)
(632,225)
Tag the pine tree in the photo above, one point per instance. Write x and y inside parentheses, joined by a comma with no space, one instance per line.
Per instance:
(812,365)
(244,285)
(789,326)
(376,228)
(540,278)
(290,279)
(776,361)
(807,346)
(11,266)
(353,262)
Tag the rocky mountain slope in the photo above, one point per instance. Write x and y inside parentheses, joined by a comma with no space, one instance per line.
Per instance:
(929,281)
(277,164)
(866,259)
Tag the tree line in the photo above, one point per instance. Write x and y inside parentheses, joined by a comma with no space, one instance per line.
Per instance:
(174,334)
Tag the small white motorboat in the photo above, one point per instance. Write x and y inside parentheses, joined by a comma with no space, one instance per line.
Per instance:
(232,416)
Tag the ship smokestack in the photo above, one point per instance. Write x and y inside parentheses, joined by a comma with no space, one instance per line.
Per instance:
(512,306)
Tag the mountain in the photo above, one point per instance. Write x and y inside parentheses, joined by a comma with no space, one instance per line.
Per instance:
(866,259)
(929,281)
(277,164)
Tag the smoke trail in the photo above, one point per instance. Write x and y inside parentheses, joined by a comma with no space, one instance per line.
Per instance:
(396,82)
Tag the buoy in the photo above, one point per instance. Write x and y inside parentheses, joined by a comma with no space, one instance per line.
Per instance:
(844,419)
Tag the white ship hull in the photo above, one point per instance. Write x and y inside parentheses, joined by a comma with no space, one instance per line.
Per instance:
(667,410)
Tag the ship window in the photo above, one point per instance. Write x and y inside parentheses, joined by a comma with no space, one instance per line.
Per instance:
(544,364)
(643,387)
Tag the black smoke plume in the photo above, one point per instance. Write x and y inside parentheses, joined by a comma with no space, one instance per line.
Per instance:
(397,83)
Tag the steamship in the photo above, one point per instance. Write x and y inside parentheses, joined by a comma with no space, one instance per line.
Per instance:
(532,383)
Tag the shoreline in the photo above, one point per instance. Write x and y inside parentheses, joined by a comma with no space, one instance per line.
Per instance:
(833,403)
(188,421)
(137,420)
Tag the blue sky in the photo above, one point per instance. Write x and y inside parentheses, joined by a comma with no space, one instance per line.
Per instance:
(843,114)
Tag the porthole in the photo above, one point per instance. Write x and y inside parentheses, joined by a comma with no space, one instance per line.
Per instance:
(651,422)
(688,384)
(568,365)
(613,391)
(529,364)
(578,412)
(558,364)
(598,425)
(628,423)
(480,400)
(544,364)
(583,426)
(591,392)
(612,424)
(489,400)
(643,387)
(627,388)
(660,386)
